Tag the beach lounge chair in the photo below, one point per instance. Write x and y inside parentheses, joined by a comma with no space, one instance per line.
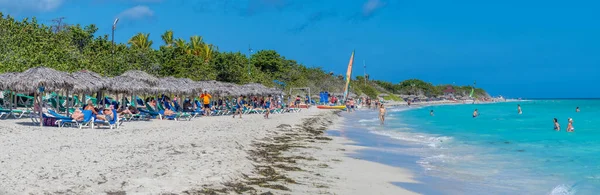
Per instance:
(150,111)
(112,124)
(86,122)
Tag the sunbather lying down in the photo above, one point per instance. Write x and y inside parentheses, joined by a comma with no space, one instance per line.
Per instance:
(107,115)
(169,112)
(77,115)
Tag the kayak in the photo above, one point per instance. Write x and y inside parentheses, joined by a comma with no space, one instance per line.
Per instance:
(331,107)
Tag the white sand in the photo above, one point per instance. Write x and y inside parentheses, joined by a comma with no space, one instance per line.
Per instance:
(170,157)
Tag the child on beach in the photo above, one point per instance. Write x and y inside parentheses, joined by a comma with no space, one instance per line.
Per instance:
(556,125)
(382,114)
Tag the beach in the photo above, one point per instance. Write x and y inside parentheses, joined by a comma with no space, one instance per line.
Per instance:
(286,154)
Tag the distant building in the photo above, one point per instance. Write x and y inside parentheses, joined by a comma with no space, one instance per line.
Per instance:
(449,91)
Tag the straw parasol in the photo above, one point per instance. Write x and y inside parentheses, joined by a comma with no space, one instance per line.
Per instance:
(87,81)
(210,86)
(6,78)
(142,76)
(189,85)
(127,85)
(51,79)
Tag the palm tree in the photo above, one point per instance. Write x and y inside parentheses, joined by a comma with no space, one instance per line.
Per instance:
(207,52)
(182,45)
(167,38)
(196,45)
(140,41)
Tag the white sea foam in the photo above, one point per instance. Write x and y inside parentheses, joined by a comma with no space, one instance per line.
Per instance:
(368,120)
(428,140)
(562,189)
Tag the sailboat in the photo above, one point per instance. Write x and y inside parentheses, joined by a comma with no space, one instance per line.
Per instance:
(346,88)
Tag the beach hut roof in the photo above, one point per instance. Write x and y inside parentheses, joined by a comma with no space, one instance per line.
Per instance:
(88,81)
(6,78)
(142,76)
(51,79)
(127,85)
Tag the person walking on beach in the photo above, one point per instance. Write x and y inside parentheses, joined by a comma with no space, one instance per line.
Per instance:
(577,109)
(570,127)
(267,107)
(382,114)
(556,125)
(239,105)
(519,109)
(475,113)
(206,101)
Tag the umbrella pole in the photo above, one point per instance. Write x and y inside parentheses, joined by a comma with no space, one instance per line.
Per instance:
(68,103)
(40,108)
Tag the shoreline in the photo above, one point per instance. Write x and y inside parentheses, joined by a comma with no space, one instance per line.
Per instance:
(286,154)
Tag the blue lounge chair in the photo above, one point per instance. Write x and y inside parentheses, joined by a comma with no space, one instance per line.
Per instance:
(112,123)
(86,122)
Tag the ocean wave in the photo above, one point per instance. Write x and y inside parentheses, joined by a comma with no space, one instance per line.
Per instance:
(368,120)
(562,189)
(428,140)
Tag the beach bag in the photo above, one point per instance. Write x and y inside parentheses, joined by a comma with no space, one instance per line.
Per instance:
(50,122)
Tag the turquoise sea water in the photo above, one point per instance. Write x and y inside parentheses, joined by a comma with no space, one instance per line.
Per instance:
(500,152)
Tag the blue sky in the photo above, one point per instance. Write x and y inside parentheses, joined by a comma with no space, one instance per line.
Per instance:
(514,48)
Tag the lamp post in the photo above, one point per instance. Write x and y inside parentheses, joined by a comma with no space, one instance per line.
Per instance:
(114,26)
(249,56)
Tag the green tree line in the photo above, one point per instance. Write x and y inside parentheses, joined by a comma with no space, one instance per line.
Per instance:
(27,43)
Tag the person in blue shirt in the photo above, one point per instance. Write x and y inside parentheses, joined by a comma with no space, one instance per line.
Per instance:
(267,107)
(239,105)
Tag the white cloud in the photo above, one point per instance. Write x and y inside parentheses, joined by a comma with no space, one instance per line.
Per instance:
(137,13)
(371,6)
(31,5)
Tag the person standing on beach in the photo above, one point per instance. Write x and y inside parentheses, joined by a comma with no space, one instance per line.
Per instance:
(519,109)
(267,107)
(475,113)
(556,125)
(382,114)
(206,101)
(239,105)
(577,109)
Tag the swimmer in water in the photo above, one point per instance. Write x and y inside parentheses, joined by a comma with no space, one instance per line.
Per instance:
(431,112)
(577,109)
(382,114)
(570,127)
(475,113)
(556,125)
(519,109)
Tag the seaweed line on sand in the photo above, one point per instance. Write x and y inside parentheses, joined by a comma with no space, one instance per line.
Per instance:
(270,163)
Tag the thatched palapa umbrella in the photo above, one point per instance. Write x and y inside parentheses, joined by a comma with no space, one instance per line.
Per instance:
(142,76)
(88,82)
(6,78)
(127,85)
(50,79)
(34,78)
